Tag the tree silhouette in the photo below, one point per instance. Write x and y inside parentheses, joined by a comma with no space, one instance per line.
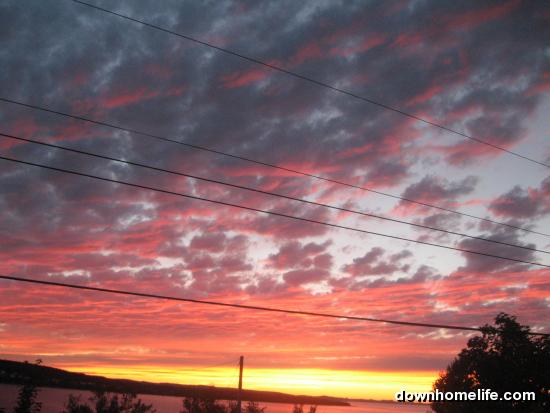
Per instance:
(74,405)
(209,405)
(504,359)
(104,403)
(26,400)
(299,408)
(27,397)
(203,405)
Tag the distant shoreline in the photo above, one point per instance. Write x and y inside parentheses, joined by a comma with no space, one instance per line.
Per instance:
(14,372)
(351,401)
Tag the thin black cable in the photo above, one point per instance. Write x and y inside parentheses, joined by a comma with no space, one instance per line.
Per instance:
(311,80)
(366,214)
(278,214)
(227,363)
(242,158)
(244,306)
(206,370)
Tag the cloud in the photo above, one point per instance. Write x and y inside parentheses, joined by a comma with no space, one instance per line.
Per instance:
(298,277)
(59,227)
(520,203)
(372,264)
(478,264)
(431,189)
(303,263)
(295,254)
(218,242)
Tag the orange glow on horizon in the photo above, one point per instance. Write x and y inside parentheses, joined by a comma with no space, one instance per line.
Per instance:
(315,382)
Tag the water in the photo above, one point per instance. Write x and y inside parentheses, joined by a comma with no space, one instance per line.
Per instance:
(53,401)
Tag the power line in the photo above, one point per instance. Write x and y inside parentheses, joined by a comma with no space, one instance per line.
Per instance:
(242,158)
(223,364)
(206,370)
(244,306)
(227,363)
(334,207)
(313,81)
(278,214)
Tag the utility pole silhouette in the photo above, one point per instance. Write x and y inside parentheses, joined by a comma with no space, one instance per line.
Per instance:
(241,362)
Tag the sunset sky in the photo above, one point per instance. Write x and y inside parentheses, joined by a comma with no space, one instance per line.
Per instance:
(479,67)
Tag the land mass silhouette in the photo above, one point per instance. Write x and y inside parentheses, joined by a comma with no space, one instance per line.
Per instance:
(15,372)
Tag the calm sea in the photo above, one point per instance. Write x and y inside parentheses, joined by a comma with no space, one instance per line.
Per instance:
(53,401)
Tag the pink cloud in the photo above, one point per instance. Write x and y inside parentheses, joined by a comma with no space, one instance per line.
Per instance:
(245,78)
(426,95)
(308,51)
(471,19)
(361,46)
(128,98)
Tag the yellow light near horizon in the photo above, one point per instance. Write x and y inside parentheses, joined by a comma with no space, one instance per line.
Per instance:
(315,382)
(340,383)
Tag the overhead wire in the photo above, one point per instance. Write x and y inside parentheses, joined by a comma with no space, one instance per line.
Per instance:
(273,213)
(280,69)
(270,193)
(246,306)
(266,164)
(201,368)
(261,308)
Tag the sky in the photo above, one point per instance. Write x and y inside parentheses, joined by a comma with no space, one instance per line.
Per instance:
(479,67)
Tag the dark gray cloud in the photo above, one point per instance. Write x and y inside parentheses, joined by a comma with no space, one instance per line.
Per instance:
(523,204)
(372,263)
(431,189)
(294,254)
(150,80)
(478,263)
(80,60)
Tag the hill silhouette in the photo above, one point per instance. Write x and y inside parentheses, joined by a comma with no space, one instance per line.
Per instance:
(14,372)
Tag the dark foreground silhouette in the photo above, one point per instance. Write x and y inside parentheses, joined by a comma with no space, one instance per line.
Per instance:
(13,372)
(102,402)
(505,358)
